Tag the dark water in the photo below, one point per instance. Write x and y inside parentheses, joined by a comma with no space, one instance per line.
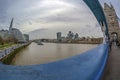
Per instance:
(37,54)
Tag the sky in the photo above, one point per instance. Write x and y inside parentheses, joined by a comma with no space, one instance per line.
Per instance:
(44,18)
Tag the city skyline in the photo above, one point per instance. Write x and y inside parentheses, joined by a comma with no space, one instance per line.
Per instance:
(45,16)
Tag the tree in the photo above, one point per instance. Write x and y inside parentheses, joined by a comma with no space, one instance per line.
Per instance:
(11,39)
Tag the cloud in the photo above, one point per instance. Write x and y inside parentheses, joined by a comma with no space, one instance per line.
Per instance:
(30,15)
(115,3)
(38,30)
(30,23)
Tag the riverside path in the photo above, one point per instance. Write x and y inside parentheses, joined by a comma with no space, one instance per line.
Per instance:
(7,51)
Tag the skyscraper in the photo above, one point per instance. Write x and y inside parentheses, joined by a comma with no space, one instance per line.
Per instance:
(76,36)
(70,35)
(16,33)
(10,28)
(26,37)
(59,36)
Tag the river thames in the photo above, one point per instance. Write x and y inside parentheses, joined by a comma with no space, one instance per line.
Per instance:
(49,52)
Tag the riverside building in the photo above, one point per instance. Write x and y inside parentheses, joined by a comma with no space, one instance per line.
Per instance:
(14,33)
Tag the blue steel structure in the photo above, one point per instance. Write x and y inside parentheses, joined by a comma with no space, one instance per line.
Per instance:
(87,66)
(97,10)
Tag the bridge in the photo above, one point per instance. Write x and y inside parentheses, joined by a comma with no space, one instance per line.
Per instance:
(112,70)
(95,64)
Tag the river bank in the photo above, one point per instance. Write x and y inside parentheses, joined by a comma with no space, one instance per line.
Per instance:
(8,54)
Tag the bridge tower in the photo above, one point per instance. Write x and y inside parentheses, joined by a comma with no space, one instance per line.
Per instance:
(112,21)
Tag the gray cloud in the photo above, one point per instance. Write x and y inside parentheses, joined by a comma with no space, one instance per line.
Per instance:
(115,3)
(30,15)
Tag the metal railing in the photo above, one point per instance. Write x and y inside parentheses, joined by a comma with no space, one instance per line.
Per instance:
(7,51)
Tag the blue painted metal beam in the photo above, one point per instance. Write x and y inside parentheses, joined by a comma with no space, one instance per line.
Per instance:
(97,10)
(87,66)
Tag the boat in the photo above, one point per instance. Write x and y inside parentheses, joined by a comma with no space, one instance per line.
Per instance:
(39,43)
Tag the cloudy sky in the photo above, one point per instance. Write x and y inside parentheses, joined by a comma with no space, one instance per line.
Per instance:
(43,18)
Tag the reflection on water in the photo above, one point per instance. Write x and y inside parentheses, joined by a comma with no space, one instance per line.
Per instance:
(37,54)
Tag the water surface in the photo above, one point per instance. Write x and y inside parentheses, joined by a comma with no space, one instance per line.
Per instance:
(37,54)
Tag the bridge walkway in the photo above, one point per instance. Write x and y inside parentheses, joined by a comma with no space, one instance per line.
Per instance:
(112,71)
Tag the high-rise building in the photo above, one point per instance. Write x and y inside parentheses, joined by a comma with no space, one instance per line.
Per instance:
(16,33)
(59,36)
(10,28)
(26,37)
(12,33)
(76,36)
(70,35)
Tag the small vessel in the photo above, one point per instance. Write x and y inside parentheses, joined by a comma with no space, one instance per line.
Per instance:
(39,43)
